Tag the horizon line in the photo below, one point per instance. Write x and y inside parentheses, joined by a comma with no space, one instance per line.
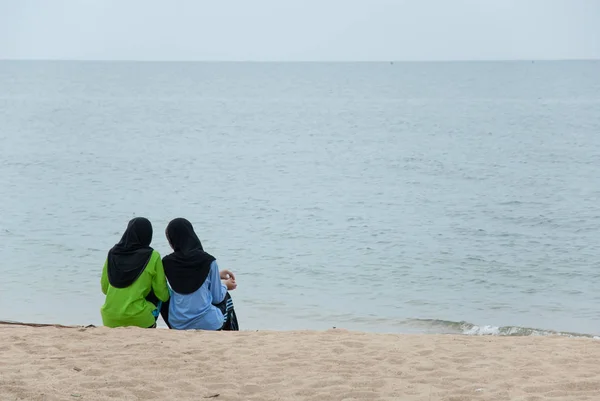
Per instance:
(300,61)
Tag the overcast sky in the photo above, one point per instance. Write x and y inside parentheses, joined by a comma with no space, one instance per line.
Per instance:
(289,30)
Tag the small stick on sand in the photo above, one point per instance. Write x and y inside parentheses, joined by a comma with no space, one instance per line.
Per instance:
(10,322)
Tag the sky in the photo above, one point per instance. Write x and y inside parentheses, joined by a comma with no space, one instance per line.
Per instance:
(299,30)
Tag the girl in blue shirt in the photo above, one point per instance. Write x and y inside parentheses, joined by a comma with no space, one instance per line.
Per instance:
(199,292)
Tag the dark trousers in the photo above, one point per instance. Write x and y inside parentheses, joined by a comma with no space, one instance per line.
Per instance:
(230,322)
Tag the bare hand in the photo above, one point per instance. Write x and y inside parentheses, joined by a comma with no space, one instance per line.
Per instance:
(230,284)
(226,274)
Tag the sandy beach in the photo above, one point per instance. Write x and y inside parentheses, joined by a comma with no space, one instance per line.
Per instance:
(52,363)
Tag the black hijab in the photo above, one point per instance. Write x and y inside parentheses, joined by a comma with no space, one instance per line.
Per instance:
(188,266)
(128,259)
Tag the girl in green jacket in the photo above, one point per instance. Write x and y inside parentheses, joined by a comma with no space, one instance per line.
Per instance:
(133,273)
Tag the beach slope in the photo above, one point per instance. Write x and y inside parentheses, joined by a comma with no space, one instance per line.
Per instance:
(51,363)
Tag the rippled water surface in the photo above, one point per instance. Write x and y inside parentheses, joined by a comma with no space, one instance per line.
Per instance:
(376,197)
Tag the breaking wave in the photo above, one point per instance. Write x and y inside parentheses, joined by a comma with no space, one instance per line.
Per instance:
(466,328)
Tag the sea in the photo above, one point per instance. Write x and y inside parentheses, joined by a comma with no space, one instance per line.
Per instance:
(403,197)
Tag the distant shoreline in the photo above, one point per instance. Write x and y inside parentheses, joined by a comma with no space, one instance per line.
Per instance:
(304,61)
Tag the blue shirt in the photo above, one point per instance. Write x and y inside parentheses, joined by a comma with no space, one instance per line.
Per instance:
(196,311)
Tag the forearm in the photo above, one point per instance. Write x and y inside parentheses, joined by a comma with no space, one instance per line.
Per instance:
(104,279)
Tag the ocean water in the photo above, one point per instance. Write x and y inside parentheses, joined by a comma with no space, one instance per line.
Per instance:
(397,197)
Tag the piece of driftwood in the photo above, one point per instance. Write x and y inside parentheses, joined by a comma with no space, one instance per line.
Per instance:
(13,323)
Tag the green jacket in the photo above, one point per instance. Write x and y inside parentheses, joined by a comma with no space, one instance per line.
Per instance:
(128,306)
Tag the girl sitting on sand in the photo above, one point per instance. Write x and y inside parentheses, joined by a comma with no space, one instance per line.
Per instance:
(199,299)
(133,279)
